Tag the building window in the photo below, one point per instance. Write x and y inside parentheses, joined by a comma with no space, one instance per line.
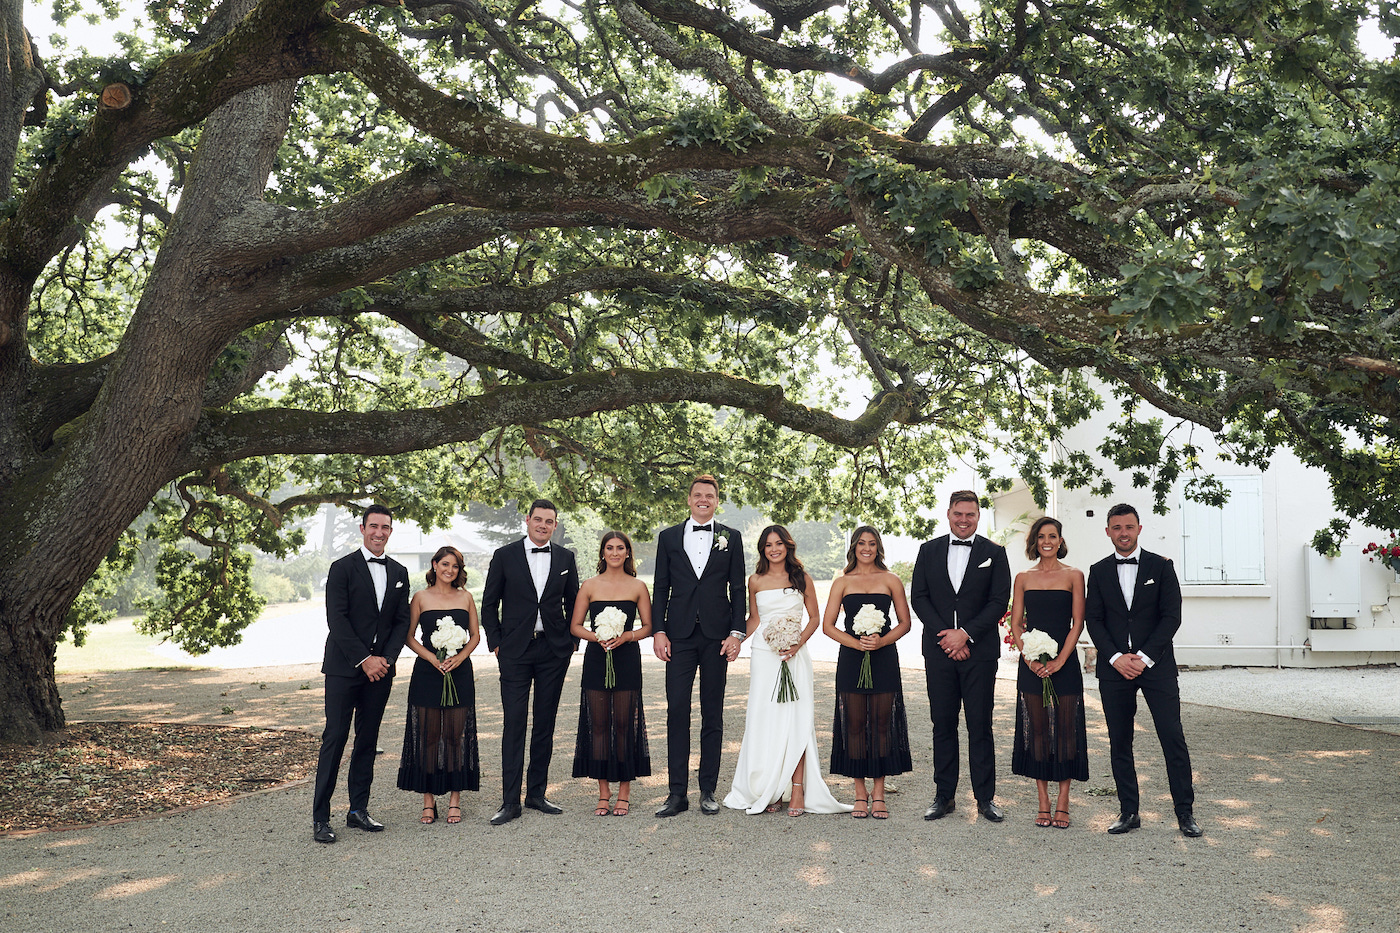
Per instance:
(1225,545)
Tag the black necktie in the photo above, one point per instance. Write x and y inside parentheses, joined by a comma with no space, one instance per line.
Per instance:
(959,542)
(378,560)
(540,550)
(1125,560)
(700,528)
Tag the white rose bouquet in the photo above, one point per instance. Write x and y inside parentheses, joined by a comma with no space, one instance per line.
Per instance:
(607,625)
(448,638)
(1039,646)
(781,634)
(868,621)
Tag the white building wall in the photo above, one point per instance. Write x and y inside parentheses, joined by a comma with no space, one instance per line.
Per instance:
(1235,624)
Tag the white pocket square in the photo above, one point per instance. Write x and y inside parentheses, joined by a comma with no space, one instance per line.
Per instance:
(562,572)
(398,585)
(985,563)
(1149,582)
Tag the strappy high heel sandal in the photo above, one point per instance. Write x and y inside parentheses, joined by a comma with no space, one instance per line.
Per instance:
(797,811)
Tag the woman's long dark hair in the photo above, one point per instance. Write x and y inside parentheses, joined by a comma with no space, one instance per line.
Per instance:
(879,548)
(628,567)
(461,579)
(796,575)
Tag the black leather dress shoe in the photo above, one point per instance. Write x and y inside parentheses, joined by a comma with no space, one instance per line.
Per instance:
(508,812)
(708,804)
(360,819)
(1189,826)
(676,803)
(544,805)
(322,832)
(939,809)
(1125,823)
(991,811)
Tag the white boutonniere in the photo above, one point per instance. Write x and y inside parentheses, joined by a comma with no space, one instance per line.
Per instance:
(985,563)
(722,539)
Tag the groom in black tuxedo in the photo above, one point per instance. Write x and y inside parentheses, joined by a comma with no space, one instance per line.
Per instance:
(962,583)
(367,618)
(698,610)
(525,612)
(1132,609)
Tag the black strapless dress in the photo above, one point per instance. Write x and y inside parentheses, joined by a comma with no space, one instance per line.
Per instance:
(439,743)
(870,731)
(1051,743)
(612,727)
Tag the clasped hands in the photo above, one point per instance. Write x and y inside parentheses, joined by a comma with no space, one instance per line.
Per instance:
(953,641)
(374,667)
(1129,665)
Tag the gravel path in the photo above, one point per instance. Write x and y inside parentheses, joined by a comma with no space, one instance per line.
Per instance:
(1300,817)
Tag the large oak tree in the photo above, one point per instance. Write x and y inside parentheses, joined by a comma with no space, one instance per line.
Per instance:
(414,251)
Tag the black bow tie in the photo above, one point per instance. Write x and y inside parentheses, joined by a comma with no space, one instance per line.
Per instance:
(701,528)
(958,542)
(378,560)
(540,550)
(1125,560)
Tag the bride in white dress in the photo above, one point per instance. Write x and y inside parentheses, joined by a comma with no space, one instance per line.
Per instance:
(779,751)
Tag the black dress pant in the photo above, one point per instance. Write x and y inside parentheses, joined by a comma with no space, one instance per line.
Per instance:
(689,655)
(1163,696)
(362,700)
(970,686)
(540,666)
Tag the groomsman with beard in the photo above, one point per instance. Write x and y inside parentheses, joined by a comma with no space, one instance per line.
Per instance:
(525,612)
(1132,609)
(698,610)
(367,622)
(962,583)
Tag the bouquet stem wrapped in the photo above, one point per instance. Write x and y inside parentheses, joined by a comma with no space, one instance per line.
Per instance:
(449,637)
(781,635)
(609,624)
(868,621)
(1039,646)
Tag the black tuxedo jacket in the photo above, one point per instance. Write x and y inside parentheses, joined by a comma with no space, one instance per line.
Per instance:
(509,604)
(976,607)
(1148,627)
(358,626)
(716,600)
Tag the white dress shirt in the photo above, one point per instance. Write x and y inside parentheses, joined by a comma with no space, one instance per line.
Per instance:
(1127,582)
(539,573)
(698,544)
(958,557)
(379,573)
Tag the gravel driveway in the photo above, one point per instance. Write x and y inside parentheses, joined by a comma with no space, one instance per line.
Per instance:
(1301,823)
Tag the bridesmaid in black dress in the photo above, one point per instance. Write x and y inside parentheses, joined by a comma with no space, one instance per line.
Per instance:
(1051,744)
(870,733)
(612,729)
(439,741)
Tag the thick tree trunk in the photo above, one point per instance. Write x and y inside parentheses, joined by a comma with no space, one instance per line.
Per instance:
(28,690)
(67,505)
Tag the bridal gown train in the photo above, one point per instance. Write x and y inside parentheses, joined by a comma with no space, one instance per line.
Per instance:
(776,735)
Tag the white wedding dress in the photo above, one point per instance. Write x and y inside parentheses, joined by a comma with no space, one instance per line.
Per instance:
(776,735)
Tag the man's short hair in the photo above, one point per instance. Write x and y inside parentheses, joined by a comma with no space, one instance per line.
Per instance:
(1122,508)
(964,495)
(542,504)
(376,509)
(704,478)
